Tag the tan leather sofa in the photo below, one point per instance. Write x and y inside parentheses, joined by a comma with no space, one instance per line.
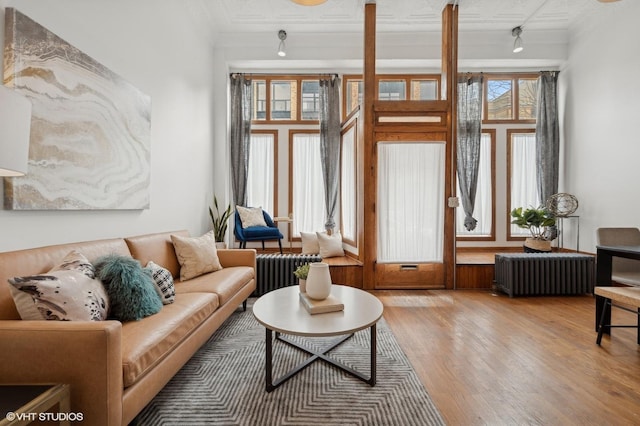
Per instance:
(115,368)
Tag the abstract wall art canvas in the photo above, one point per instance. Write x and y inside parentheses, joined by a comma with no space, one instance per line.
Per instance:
(90,129)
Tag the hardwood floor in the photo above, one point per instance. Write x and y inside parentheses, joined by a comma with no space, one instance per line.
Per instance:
(490,360)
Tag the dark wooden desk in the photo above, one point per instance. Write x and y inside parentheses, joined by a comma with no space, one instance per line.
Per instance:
(604,258)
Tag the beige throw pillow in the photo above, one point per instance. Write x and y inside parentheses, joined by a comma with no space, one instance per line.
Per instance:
(310,243)
(251,216)
(196,255)
(330,245)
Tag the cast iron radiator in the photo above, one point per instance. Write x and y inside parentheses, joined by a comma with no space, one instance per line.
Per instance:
(533,274)
(276,270)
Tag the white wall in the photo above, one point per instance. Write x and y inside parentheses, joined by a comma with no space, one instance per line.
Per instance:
(600,108)
(158,51)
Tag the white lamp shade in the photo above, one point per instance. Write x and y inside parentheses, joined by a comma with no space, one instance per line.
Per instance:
(15,130)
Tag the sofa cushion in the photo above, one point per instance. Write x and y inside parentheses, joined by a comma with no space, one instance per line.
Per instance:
(158,248)
(131,290)
(147,342)
(197,255)
(330,245)
(226,283)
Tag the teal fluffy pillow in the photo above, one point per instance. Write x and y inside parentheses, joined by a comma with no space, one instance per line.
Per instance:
(131,290)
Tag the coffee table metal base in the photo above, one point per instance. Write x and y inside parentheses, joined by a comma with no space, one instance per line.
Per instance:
(315,355)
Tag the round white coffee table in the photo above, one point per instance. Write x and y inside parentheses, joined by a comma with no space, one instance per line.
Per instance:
(281,311)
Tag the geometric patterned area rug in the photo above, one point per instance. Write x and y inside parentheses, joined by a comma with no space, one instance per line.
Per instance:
(224,384)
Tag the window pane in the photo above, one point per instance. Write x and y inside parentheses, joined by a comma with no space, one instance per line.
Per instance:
(410,216)
(484,203)
(524,186)
(499,100)
(348,185)
(260,175)
(282,95)
(389,90)
(424,90)
(527,98)
(354,94)
(308,186)
(310,100)
(259,100)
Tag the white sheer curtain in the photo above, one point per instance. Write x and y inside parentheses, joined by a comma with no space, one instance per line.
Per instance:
(410,202)
(484,204)
(524,185)
(308,187)
(260,179)
(348,185)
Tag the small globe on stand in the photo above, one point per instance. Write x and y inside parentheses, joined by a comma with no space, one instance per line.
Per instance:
(562,204)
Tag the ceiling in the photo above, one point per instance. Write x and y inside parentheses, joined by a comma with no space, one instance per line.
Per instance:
(343,16)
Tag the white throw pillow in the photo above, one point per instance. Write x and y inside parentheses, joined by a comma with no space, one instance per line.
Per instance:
(310,243)
(330,245)
(251,216)
(197,255)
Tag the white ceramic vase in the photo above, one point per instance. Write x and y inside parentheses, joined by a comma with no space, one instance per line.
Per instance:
(318,281)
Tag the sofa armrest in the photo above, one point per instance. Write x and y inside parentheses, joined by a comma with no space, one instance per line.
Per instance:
(86,355)
(237,257)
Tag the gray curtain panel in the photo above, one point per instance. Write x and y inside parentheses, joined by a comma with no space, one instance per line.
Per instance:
(468,147)
(241,111)
(330,144)
(547,136)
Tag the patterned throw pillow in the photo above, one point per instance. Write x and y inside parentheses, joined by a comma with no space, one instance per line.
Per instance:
(68,292)
(164,282)
(196,255)
(251,216)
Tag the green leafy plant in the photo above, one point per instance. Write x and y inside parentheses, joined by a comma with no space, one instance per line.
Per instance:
(220,221)
(302,271)
(536,220)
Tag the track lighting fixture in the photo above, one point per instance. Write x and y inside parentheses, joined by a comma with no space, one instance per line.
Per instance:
(282,35)
(517,44)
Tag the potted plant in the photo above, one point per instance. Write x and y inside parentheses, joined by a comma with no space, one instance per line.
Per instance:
(302,272)
(220,222)
(540,223)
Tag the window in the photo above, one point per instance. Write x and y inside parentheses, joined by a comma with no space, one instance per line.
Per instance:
(261,178)
(483,209)
(282,94)
(310,100)
(286,99)
(348,185)
(390,88)
(259,100)
(523,186)
(308,186)
(510,97)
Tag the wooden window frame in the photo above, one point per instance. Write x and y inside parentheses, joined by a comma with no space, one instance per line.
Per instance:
(352,125)
(407,78)
(268,78)
(515,97)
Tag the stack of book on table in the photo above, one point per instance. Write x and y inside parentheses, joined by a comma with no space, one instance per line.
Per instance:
(330,304)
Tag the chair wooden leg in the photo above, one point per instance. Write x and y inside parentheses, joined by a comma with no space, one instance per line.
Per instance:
(262,244)
(280,245)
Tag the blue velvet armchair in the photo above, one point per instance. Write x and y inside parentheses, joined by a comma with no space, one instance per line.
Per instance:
(257,233)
